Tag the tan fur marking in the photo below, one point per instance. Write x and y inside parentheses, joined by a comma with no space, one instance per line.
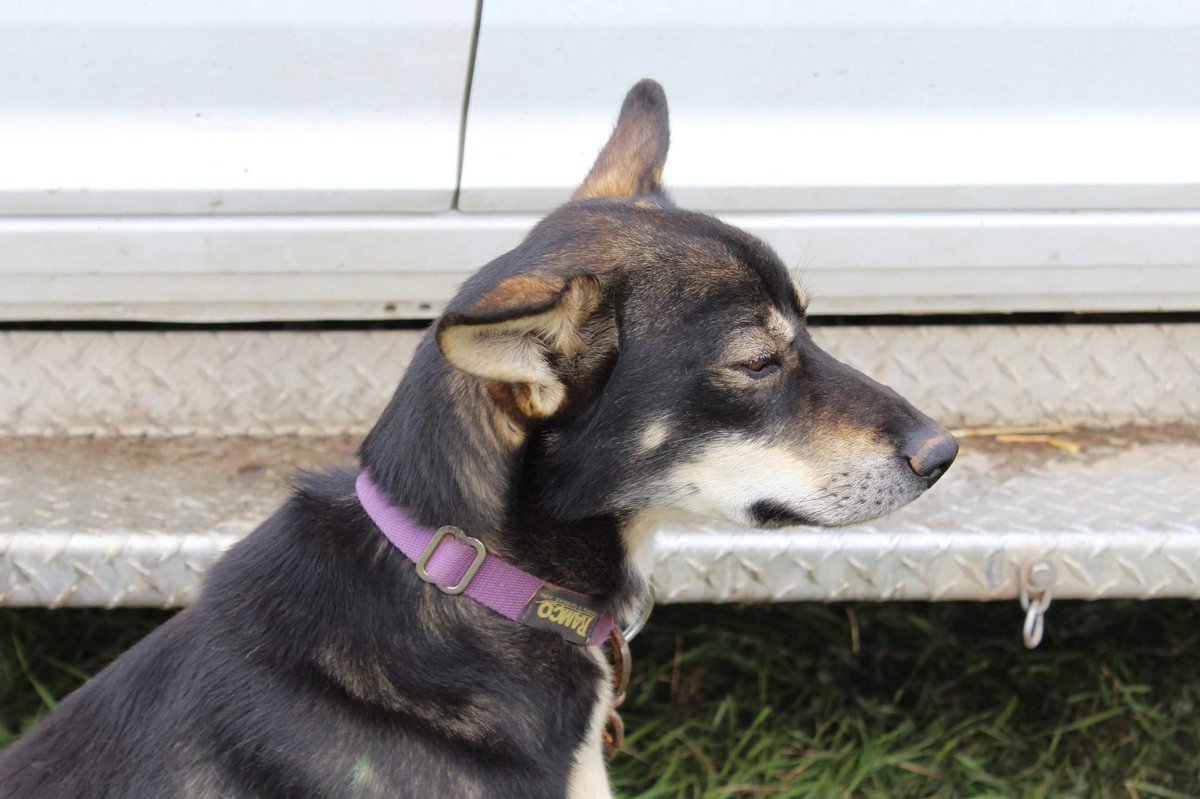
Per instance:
(518,291)
(775,337)
(367,680)
(515,351)
(835,438)
(621,177)
(749,344)
(505,416)
(631,163)
(471,405)
(801,296)
(537,401)
(780,327)
(655,434)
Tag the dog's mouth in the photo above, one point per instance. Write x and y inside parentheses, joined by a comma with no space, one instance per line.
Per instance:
(770,515)
(846,500)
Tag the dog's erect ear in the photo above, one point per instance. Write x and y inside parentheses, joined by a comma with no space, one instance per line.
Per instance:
(509,335)
(631,164)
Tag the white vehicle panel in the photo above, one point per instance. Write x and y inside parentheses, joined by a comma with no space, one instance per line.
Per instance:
(372,266)
(246,161)
(231,106)
(847,105)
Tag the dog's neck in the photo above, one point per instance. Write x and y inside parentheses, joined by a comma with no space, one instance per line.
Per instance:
(440,451)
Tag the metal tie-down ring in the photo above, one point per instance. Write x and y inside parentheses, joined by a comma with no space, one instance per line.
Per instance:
(1037,580)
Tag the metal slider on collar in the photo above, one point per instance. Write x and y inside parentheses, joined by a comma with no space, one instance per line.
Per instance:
(423,560)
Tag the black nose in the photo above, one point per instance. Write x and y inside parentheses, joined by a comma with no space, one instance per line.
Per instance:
(930,452)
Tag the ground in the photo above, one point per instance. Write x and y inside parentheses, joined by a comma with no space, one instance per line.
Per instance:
(900,700)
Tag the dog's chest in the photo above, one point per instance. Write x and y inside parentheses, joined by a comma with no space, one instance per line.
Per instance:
(589,774)
(540,722)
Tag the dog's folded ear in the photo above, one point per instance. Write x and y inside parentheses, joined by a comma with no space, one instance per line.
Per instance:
(631,164)
(527,332)
(510,335)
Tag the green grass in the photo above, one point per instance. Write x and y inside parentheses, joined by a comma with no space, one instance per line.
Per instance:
(45,654)
(929,701)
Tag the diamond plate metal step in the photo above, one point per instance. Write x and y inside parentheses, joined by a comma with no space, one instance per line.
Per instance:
(137,521)
(321,383)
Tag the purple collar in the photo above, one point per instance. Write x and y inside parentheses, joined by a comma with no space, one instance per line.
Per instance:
(459,564)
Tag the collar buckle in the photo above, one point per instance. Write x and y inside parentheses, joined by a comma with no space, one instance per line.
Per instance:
(423,560)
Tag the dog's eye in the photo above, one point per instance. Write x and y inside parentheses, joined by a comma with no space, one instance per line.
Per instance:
(760,367)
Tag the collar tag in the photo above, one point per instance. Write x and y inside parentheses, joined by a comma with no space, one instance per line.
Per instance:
(557,610)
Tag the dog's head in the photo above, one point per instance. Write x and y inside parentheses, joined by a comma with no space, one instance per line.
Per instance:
(653,359)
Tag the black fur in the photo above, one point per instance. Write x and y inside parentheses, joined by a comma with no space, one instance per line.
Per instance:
(317,664)
(233,697)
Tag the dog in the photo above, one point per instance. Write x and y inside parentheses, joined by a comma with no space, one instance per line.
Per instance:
(627,364)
